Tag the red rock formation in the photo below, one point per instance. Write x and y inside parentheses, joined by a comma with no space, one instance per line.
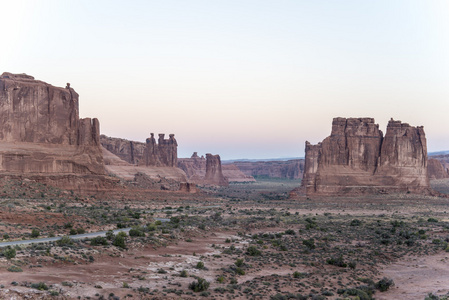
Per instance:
(214,174)
(40,130)
(436,169)
(356,158)
(291,169)
(164,153)
(210,171)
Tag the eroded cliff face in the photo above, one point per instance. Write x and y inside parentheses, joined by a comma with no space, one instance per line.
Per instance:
(163,153)
(40,130)
(356,158)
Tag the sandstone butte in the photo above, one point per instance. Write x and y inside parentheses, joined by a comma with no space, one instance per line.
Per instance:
(210,171)
(42,138)
(196,168)
(358,159)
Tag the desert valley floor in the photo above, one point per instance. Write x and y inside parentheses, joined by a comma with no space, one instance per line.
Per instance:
(245,241)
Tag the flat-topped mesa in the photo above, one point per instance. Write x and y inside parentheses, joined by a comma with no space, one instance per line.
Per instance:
(214,173)
(356,158)
(41,120)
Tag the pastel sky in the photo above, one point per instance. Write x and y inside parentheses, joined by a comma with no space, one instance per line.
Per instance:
(243,79)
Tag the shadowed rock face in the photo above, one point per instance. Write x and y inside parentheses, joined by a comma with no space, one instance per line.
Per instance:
(40,130)
(356,158)
(436,169)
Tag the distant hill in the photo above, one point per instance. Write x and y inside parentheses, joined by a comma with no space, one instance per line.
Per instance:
(230,161)
(438,153)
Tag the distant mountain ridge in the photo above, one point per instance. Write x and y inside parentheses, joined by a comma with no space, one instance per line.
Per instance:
(230,161)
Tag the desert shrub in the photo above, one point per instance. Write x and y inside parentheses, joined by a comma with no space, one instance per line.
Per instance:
(136,231)
(200,265)
(221,279)
(253,251)
(80,230)
(15,269)
(290,232)
(110,235)
(337,261)
(41,286)
(65,241)
(356,222)
(119,241)
(310,243)
(158,223)
(384,284)
(297,274)
(161,271)
(199,285)
(72,231)
(35,233)
(239,271)
(6,236)
(239,262)
(99,240)
(9,253)
(183,273)
(432,220)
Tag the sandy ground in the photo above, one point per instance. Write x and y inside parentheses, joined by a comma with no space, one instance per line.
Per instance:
(416,277)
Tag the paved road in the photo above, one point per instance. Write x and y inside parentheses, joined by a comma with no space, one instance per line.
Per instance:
(53,239)
(74,237)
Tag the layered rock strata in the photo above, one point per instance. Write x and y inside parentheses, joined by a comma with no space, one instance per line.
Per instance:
(357,158)
(41,132)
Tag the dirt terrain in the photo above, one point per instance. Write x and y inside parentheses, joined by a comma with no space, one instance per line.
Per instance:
(245,241)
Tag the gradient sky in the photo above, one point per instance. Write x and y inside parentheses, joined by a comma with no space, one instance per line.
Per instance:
(243,79)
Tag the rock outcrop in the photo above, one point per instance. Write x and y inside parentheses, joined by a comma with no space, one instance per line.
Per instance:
(210,171)
(163,153)
(436,169)
(291,169)
(214,173)
(357,158)
(41,132)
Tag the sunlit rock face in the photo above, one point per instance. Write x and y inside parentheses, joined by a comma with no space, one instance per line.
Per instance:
(357,158)
(41,132)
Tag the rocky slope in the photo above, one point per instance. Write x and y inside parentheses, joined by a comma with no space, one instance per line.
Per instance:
(357,158)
